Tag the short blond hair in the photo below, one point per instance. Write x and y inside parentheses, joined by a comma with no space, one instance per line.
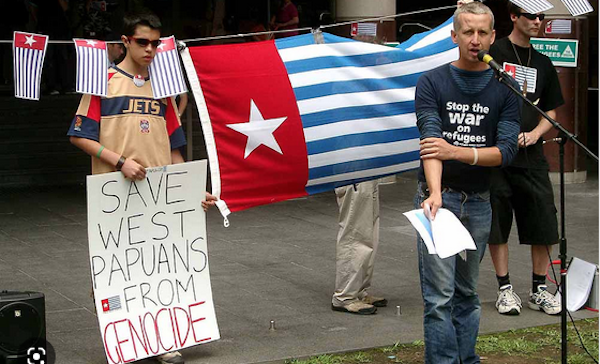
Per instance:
(474,7)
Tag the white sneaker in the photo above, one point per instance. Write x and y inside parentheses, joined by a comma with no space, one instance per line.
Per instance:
(542,300)
(174,357)
(508,302)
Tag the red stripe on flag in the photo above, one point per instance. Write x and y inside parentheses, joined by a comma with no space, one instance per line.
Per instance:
(252,73)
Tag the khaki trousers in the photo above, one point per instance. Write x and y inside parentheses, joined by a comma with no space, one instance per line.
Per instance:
(357,239)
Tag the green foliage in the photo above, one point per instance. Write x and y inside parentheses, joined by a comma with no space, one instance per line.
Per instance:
(542,343)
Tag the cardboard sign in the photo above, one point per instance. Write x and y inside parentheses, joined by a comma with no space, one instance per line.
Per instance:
(149,261)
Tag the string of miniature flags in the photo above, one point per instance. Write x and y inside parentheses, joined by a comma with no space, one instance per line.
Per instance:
(29,50)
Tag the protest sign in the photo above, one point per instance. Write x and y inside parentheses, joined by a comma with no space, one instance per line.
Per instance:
(149,261)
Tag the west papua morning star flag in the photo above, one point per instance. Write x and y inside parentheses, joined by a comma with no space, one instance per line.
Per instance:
(165,70)
(29,51)
(92,67)
(287,118)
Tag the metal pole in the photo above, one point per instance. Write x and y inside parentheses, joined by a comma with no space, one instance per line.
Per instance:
(563,254)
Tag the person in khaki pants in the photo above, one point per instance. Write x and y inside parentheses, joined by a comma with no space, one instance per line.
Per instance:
(357,242)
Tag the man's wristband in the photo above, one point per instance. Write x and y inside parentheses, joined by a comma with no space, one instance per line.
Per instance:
(120,163)
(475,156)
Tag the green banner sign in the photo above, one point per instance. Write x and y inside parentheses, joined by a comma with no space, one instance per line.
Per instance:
(562,52)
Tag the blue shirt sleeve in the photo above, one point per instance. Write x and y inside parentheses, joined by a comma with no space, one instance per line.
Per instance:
(429,121)
(508,128)
(84,127)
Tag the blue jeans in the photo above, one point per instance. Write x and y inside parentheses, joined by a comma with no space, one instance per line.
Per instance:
(449,286)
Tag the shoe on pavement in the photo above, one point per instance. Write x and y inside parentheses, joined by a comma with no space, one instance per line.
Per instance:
(375,300)
(508,302)
(174,357)
(542,300)
(355,306)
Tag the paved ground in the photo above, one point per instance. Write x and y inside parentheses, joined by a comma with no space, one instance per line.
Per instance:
(274,263)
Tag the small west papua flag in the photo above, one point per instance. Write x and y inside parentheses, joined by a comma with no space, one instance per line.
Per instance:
(165,70)
(28,58)
(92,67)
(111,304)
(525,76)
(578,7)
(558,26)
(363,29)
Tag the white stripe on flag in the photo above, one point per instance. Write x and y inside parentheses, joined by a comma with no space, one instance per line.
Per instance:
(362,152)
(396,168)
(533,6)
(383,71)
(578,7)
(328,50)
(358,126)
(332,102)
(432,38)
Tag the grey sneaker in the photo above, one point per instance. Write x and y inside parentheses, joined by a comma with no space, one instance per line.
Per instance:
(508,302)
(374,300)
(542,300)
(355,306)
(174,357)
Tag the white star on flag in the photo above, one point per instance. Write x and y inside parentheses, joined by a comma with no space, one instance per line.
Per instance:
(161,46)
(511,74)
(92,43)
(29,40)
(258,130)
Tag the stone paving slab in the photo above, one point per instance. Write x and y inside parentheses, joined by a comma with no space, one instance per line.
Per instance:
(275,262)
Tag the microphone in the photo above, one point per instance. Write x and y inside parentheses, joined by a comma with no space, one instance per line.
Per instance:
(485,57)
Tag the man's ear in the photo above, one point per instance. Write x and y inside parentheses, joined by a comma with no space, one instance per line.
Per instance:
(493,36)
(454,36)
(125,41)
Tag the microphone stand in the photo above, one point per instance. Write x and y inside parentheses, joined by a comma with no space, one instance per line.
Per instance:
(564,137)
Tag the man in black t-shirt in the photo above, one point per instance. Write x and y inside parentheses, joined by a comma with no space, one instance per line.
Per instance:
(524,186)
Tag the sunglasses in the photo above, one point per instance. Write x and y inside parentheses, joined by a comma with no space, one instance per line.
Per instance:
(533,16)
(144,42)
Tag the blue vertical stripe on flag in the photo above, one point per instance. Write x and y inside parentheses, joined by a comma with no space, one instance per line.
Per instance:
(27,72)
(356,102)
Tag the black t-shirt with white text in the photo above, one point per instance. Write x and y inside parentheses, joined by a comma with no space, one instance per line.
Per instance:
(544,91)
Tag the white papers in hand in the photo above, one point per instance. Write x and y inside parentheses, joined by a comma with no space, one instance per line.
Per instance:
(580,278)
(444,236)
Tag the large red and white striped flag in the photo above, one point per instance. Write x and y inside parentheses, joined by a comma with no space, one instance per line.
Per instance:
(165,70)
(28,58)
(92,67)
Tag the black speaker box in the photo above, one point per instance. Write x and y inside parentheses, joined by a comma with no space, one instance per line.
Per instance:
(22,325)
